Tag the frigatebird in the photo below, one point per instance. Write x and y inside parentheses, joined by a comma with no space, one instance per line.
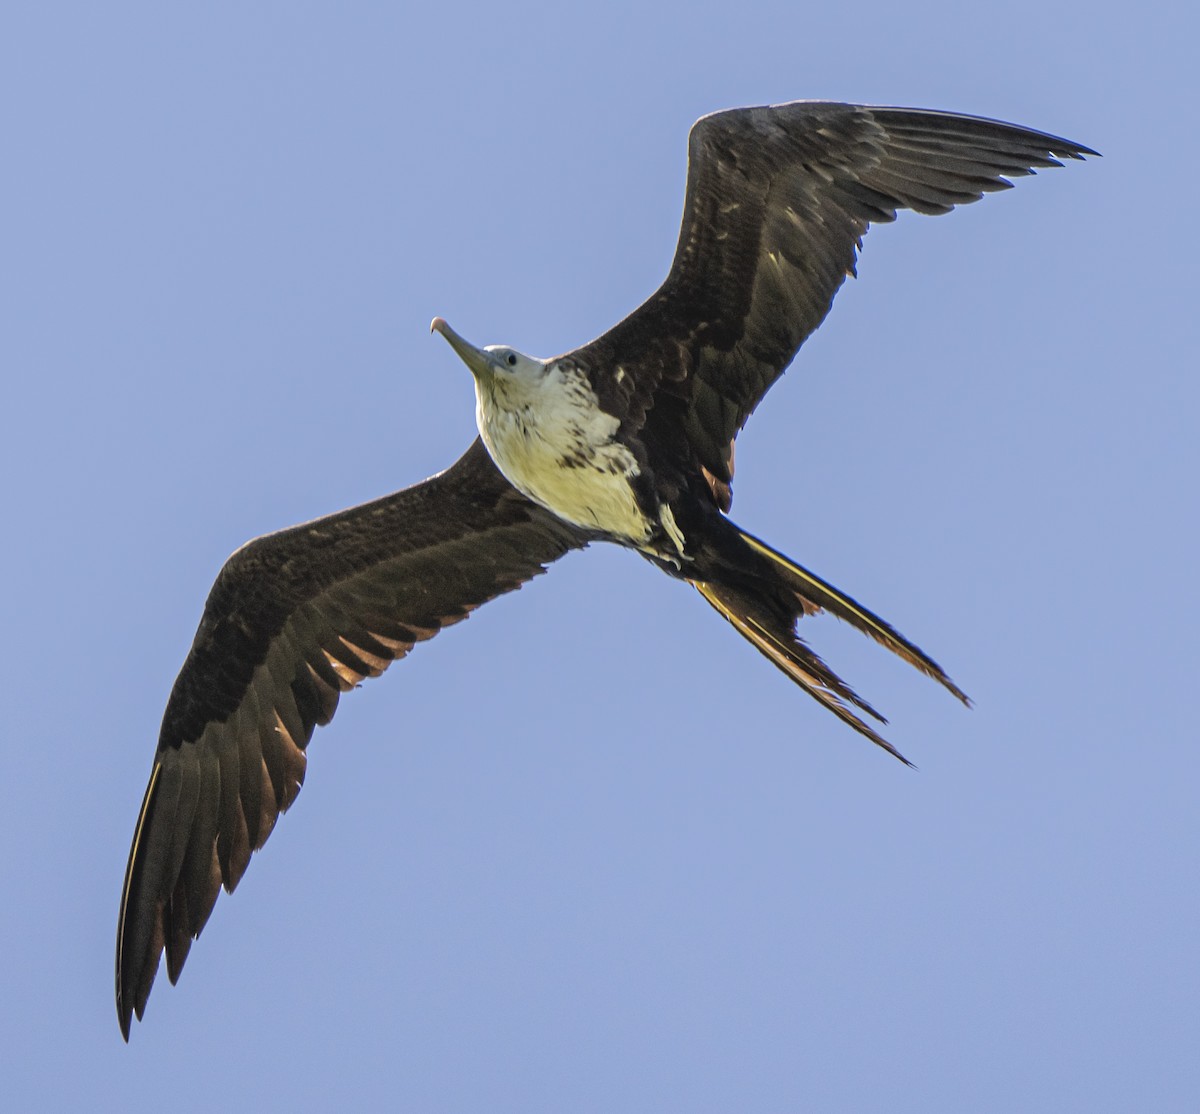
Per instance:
(628,439)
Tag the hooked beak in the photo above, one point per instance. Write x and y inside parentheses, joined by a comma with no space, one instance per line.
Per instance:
(476,359)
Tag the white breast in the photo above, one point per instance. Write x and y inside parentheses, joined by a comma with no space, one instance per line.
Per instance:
(554,443)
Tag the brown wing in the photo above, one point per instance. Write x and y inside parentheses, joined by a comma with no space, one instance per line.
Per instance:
(777,201)
(295,619)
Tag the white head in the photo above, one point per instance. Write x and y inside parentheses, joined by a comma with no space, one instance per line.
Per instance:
(500,371)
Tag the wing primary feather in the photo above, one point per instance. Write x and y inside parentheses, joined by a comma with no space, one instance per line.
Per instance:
(139,918)
(233,843)
(252,769)
(200,874)
(175,907)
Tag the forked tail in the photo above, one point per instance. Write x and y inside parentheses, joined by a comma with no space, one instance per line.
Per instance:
(764,594)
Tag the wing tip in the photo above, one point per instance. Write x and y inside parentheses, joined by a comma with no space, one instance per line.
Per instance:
(124,1019)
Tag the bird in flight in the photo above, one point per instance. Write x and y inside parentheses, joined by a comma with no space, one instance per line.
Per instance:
(628,439)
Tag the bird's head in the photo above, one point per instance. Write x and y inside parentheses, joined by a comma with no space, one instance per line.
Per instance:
(497,368)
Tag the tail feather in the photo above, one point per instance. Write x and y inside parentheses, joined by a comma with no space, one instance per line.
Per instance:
(776,641)
(812,590)
(763,594)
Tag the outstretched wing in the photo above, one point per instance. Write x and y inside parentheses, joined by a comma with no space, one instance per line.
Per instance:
(295,619)
(777,201)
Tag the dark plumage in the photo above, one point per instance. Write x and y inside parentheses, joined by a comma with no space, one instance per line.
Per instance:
(294,620)
(777,202)
(806,179)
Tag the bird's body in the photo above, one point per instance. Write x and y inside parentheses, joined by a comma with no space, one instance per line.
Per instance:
(543,426)
(626,439)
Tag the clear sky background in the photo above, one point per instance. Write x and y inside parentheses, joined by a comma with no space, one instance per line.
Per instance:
(588,851)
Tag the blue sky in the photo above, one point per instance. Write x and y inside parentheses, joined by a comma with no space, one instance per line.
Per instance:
(587,852)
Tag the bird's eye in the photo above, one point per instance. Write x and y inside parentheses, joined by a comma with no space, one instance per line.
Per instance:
(511,360)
